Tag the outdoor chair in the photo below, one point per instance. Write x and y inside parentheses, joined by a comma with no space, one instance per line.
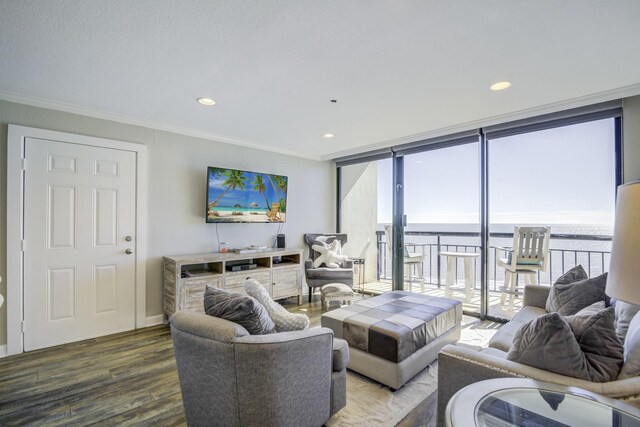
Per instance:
(411,259)
(528,256)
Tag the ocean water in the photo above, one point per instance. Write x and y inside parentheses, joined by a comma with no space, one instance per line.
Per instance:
(232,209)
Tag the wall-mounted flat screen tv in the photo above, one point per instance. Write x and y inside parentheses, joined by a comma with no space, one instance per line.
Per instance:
(241,196)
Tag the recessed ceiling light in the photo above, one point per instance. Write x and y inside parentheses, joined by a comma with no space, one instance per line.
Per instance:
(500,86)
(328,135)
(206,101)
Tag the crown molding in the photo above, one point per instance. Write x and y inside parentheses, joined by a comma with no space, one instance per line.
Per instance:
(137,121)
(610,95)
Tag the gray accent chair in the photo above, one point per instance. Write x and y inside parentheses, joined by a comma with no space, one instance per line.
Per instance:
(318,277)
(230,378)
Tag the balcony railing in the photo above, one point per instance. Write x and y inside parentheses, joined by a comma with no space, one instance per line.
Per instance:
(432,243)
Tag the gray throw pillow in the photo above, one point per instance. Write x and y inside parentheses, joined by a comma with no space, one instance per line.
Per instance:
(576,274)
(624,313)
(547,343)
(569,298)
(595,332)
(631,367)
(583,346)
(242,309)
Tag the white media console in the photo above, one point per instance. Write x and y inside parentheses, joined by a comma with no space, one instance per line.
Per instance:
(187,276)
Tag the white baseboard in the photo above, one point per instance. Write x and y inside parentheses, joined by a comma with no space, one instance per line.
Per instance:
(3,351)
(155,320)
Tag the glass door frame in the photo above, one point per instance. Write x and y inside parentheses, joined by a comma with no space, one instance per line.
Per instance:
(483,135)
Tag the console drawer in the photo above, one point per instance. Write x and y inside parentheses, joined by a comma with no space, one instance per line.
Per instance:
(234,282)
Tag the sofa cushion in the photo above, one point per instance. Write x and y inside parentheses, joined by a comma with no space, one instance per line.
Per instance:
(631,366)
(569,298)
(576,274)
(242,309)
(595,332)
(330,273)
(624,313)
(527,314)
(503,338)
(548,343)
(582,346)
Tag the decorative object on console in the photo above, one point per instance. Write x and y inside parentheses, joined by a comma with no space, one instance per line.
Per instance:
(317,277)
(283,320)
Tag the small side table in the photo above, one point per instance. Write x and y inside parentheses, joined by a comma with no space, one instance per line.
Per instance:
(360,263)
(525,402)
(469,272)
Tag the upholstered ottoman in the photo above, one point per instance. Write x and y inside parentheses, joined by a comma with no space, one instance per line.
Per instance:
(337,292)
(394,336)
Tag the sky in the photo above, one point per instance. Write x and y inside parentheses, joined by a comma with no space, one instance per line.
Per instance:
(557,176)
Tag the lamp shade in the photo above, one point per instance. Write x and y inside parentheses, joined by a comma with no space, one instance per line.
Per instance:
(623,280)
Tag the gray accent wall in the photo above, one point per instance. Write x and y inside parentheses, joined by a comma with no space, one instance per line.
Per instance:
(176,190)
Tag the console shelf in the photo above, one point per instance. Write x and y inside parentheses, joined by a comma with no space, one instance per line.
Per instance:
(187,276)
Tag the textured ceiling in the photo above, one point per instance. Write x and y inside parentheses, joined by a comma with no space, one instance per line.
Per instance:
(400,70)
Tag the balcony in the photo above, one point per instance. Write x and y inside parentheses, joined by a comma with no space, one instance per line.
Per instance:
(566,251)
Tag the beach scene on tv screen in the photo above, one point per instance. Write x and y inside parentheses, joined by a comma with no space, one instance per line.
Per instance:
(241,196)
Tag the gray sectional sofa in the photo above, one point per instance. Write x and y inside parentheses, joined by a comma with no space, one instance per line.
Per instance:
(460,366)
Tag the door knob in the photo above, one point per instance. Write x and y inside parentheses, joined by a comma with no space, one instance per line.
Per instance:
(128,238)
(128,251)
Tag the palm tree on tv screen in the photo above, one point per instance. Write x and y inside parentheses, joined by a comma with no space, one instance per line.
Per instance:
(281,183)
(258,185)
(234,179)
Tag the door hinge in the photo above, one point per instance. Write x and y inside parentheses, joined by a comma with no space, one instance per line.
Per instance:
(23,245)
(22,325)
(24,164)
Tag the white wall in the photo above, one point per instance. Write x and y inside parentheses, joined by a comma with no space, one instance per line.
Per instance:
(631,138)
(360,214)
(177,184)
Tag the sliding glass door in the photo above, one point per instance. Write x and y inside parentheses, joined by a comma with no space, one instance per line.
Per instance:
(446,209)
(442,206)
(563,178)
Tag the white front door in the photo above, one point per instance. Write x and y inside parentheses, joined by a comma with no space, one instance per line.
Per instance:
(79,225)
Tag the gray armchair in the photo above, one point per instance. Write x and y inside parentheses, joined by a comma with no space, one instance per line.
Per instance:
(231,378)
(317,277)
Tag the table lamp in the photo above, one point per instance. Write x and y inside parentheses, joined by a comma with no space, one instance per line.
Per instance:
(623,280)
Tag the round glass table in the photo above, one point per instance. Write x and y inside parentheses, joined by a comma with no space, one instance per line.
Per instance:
(523,402)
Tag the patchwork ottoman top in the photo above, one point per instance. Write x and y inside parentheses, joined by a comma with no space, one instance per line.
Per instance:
(394,325)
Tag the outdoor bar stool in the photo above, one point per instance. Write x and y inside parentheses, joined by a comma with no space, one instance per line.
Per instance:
(469,273)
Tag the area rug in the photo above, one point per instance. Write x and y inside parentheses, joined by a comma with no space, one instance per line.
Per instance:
(369,403)
(372,404)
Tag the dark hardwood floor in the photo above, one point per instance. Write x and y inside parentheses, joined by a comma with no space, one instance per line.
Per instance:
(123,379)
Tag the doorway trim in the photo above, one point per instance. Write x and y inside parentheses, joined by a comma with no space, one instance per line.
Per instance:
(15,222)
